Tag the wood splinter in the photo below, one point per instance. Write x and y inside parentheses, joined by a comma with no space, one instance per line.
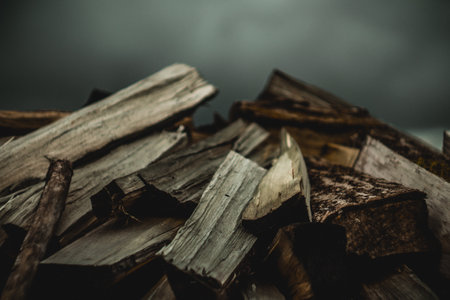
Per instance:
(44,222)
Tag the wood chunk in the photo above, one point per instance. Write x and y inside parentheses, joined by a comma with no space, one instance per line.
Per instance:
(402,284)
(340,155)
(169,93)
(88,180)
(14,122)
(212,243)
(51,206)
(379,161)
(112,251)
(446,143)
(186,174)
(284,192)
(381,218)
(161,290)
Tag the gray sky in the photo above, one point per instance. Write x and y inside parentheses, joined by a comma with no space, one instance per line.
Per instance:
(392,57)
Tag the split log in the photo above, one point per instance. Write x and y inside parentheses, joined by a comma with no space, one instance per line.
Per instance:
(111,251)
(446,143)
(88,180)
(340,155)
(185,177)
(21,122)
(283,195)
(51,206)
(170,93)
(381,218)
(402,284)
(379,161)
(212,244)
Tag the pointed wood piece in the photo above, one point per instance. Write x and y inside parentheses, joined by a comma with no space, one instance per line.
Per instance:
(212,243)
(446,143)
(381,218)
(88,180)
(147,104)
(340,154)
(34,247)
(284,192)
(186,174)
(402,284)
(379,161)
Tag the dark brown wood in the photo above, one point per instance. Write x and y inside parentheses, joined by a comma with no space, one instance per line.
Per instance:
(381,218)
(446,143)
(186,174)
(14,122)
(212,244)
(51,206)
(379,161)
(257,290)
(162,290)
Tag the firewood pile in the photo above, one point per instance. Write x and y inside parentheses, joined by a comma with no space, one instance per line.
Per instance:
(299,195)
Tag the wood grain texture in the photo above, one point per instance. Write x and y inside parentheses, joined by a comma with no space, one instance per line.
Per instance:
(381,218)
(186,173)
(88,180)
(446,143)
(212,243)
(402,284)
(285,187)
(379,161)
(340,155)
(14,122)
(34,247)
(170,92)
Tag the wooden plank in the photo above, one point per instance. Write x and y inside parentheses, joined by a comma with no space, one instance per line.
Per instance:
(212,243)
(88,180)
(34,247)
(113,250)
(381,218)
(446,143)
(283,195)
(14,122)
(340,154)
(167,94)
(379,161)
(181,184)
(402,284)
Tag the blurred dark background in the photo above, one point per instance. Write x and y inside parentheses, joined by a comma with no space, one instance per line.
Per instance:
(392,57)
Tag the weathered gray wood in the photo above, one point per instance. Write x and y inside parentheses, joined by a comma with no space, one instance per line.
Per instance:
(340,155)
(256,290)
(170,92)
(446,143)
(284,190)
(403,284)
(381,218)
(379,161)
(113,249)
(51,206)
(186,173)
(212,243)
(88,180)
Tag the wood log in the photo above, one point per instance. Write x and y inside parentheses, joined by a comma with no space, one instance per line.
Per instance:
(340,155)
(381,218)
(212,244)
(379,161)
(401,284)
(111,251)
(51,206)
(186,174)
(88,180)
(446,143)
(14,122)
(169,93)
(283,195)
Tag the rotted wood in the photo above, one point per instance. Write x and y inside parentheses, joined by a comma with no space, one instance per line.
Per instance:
(283,195)
(212,244)
(446,143)
(14,122)
(88,180)
(112,251)
(145,105)
(51,206)
(381,218)
(379,161)
(308,261)
(401,284)
(185,177)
